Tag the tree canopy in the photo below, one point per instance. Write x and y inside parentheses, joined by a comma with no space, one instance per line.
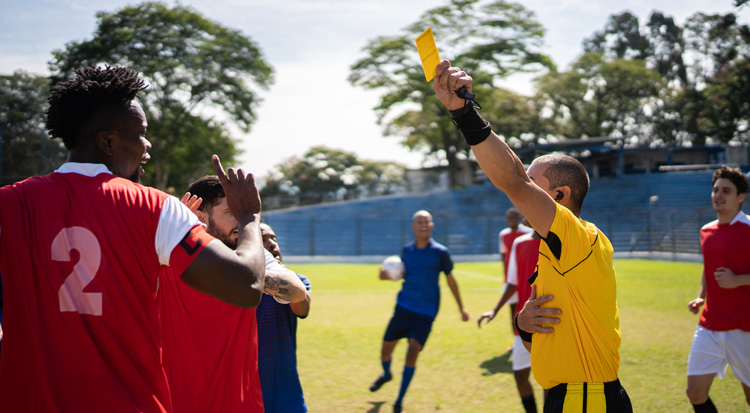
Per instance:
(324,175)
(195,68)
(601,98)
(697,61)
(491,40)
(26,149)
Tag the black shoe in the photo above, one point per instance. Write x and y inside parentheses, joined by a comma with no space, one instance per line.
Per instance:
(397,408)
(379,382)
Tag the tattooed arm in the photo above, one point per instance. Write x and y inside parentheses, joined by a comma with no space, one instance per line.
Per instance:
(285,285)
(302,308)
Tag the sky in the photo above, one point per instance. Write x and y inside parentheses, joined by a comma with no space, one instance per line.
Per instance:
(311,44)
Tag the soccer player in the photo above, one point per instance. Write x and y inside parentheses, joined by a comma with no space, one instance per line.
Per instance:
(277,342)
(506,237)
(524,254)
(722,336)
(418,302)
(82,254)
(210,347)
(578,360)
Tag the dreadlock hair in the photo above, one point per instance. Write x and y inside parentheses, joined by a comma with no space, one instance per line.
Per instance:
(209,189)
(563,170)
(91,102)
(733,174)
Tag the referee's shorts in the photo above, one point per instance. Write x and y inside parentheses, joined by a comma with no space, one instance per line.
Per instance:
(608,397)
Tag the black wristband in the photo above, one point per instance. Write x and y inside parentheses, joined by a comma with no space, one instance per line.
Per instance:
(525,335)
(474,128)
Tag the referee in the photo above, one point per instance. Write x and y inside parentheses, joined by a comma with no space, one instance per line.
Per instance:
(577,361)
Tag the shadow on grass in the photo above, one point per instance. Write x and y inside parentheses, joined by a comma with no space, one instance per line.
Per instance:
(499,364)
(376,406)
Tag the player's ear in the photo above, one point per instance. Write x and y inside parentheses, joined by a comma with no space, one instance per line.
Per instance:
(741,197)
(562,193)
(103,141)
(201,216)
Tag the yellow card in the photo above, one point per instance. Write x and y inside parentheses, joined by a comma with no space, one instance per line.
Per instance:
(428,53)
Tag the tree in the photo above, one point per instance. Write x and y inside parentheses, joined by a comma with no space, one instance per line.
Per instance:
(714,41)
(324,175)
(27,150)
(667,48)
(600,97)
(620,39)
(690,58)
(194,66)
(728,116)
(517,118)
(490,40)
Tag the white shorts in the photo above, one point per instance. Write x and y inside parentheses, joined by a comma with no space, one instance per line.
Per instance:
(712,351)
(521,356)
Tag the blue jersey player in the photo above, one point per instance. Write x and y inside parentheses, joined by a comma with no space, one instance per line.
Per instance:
(418,301)
(277,343)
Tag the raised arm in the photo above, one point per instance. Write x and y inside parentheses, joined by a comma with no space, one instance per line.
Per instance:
(235,277)
(495,157)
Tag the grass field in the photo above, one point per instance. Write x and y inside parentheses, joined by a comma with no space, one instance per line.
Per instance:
(466,369)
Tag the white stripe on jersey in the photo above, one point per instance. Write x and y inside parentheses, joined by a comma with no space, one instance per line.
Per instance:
(175,220)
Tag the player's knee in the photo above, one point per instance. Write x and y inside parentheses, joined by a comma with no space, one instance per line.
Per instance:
(696,395)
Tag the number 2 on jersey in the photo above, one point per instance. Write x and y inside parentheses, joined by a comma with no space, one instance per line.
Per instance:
(71,295)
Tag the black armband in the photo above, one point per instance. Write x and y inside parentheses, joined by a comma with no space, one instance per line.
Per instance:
(525,335)
(474,128)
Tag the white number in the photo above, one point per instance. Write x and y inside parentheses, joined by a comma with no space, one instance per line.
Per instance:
(72,297)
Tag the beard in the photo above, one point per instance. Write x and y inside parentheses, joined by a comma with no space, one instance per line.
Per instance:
(225,237)
(136,177)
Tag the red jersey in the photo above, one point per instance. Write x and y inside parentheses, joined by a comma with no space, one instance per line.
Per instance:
(80,255)
(210,350)
(726,245)
(506,238)
(524,255)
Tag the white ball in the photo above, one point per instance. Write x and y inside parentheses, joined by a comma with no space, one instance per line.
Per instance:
(394,267)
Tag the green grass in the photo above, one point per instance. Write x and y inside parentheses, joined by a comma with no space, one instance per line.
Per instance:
(466,369)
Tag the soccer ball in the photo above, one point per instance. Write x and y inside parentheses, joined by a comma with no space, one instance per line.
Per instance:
(394,267)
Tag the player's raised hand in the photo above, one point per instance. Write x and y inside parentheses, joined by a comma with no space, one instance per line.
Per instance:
(532,316)
(486,317)
(240,190)
(447,80)
(192,202)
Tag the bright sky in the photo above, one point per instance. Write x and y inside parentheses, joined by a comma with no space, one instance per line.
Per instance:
(311,44)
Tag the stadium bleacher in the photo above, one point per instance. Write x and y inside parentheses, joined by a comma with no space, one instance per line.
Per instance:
(638,212)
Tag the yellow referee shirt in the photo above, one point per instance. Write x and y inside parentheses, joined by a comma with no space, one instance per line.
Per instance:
(575,266)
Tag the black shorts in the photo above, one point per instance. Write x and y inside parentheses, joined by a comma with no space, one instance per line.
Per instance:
(608,397)
(408,324)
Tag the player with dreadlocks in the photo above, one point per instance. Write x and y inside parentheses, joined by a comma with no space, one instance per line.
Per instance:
(82,251)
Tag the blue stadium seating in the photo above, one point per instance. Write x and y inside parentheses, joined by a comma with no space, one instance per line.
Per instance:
(640,212)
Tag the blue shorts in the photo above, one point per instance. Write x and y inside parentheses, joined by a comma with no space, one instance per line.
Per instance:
(408,324)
